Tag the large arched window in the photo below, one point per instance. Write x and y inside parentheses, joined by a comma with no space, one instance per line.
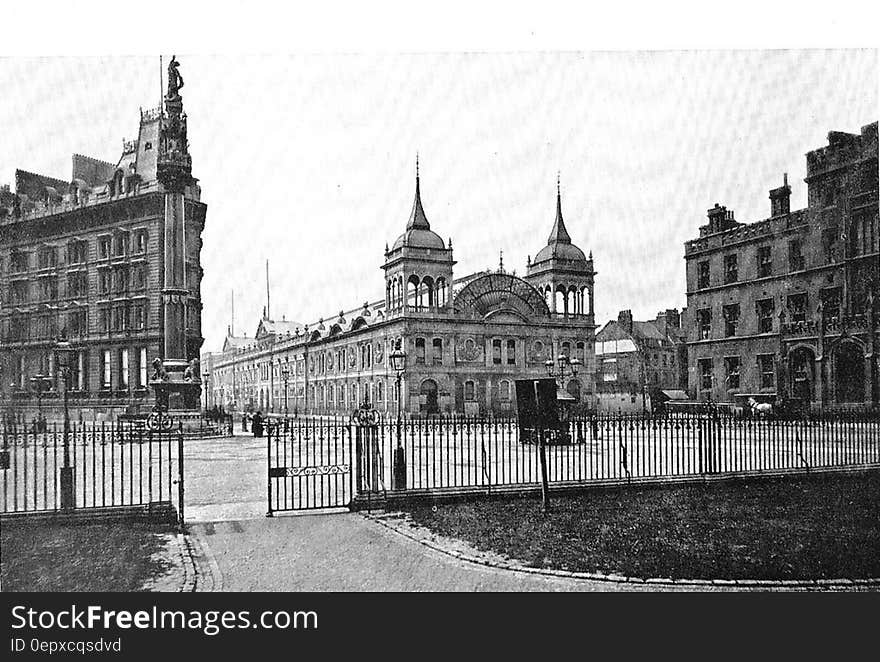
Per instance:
(420,351)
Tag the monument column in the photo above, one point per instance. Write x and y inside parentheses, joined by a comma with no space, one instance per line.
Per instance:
(174,170)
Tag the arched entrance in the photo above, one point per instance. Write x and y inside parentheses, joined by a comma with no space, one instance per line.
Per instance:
(849,373)
(428,399)
(801,368)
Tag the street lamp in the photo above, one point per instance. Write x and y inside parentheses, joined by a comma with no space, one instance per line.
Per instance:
(63,355)
(285,377)
(398,364)
(205,377)
(39,382)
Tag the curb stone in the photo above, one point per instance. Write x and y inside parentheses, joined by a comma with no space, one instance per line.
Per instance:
(402,524)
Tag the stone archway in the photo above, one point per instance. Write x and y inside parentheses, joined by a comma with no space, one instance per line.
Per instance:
(428,391)
(849,373)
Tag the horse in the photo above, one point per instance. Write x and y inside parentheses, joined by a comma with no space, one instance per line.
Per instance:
(761,409)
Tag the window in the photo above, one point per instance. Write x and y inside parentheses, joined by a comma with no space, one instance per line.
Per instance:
(797,307)
(437,351)
(121,279)
(704,323)
(579,353)
(706,374)
(139,315)
(18,328)
(829,244)
(76,252)
(104,281)
(765,262)
(142,368)
(120,317)
(123,369)
(140,242)
(831,303)
(496,352)
(139,279)
(48,288)
(420,351)
(77,283)
(504,390)
(76,372)
(105,369)
(764,309)
(511,352)
(731,319)
(795,255)
(18,292)
(104,247)
(767,370)
(380,391)
(703,275)
(730,269)
(120,245)
(731,367)
(47,257)
(469,391)
(19,261)
(566,349)
(77,322)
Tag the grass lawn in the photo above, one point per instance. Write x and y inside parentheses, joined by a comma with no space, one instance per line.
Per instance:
(79,557)
(797,527)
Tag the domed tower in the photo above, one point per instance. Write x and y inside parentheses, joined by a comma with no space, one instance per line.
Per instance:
(561,272)
(418,267)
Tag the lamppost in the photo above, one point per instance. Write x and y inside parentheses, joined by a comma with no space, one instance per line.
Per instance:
(39,382)
(560,370)
(205,377)
(398,364)
(63,355)
(285,377)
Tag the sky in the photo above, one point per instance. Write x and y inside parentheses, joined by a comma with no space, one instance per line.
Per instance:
(307,160)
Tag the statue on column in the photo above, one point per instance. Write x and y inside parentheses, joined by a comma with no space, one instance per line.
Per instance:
(175,80)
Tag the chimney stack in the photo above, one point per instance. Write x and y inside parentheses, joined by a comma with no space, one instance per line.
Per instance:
(780,198)
(625,319)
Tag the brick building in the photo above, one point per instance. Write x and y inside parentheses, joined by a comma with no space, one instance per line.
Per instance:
(466,339)
(635,360)
(787,307)
(87,256)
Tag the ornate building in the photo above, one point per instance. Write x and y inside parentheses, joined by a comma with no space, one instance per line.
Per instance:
(466,339)
(787,307)
(111,258)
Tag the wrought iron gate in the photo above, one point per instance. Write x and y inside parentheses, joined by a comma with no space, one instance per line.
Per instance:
(309,464)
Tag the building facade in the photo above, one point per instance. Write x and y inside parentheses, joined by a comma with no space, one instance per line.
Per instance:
(635,360)
(787,307)
(466,339)
(86,258)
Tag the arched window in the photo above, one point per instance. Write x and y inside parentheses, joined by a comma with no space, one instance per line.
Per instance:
(380,391)
(504,390)
(437,351)
(420,351)
(579,352)
(426,293)
(566,348)
(469,391)
(412,292)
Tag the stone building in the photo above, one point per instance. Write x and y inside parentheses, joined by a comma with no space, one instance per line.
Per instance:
(637,359)
(466,339)
(87,257)
(787,307)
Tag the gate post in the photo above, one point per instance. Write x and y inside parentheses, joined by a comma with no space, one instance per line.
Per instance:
(180,487)
(269,472)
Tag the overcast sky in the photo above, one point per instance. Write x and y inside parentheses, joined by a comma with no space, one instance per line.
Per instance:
(307,160)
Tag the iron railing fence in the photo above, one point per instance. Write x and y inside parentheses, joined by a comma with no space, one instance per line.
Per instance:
(458,452)
(112,465)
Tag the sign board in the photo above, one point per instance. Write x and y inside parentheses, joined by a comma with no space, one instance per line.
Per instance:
(537,412)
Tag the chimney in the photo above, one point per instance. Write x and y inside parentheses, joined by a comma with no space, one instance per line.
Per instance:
(625,320)
(780,198)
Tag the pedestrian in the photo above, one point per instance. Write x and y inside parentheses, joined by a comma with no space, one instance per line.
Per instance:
(257,424)
(244,422)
